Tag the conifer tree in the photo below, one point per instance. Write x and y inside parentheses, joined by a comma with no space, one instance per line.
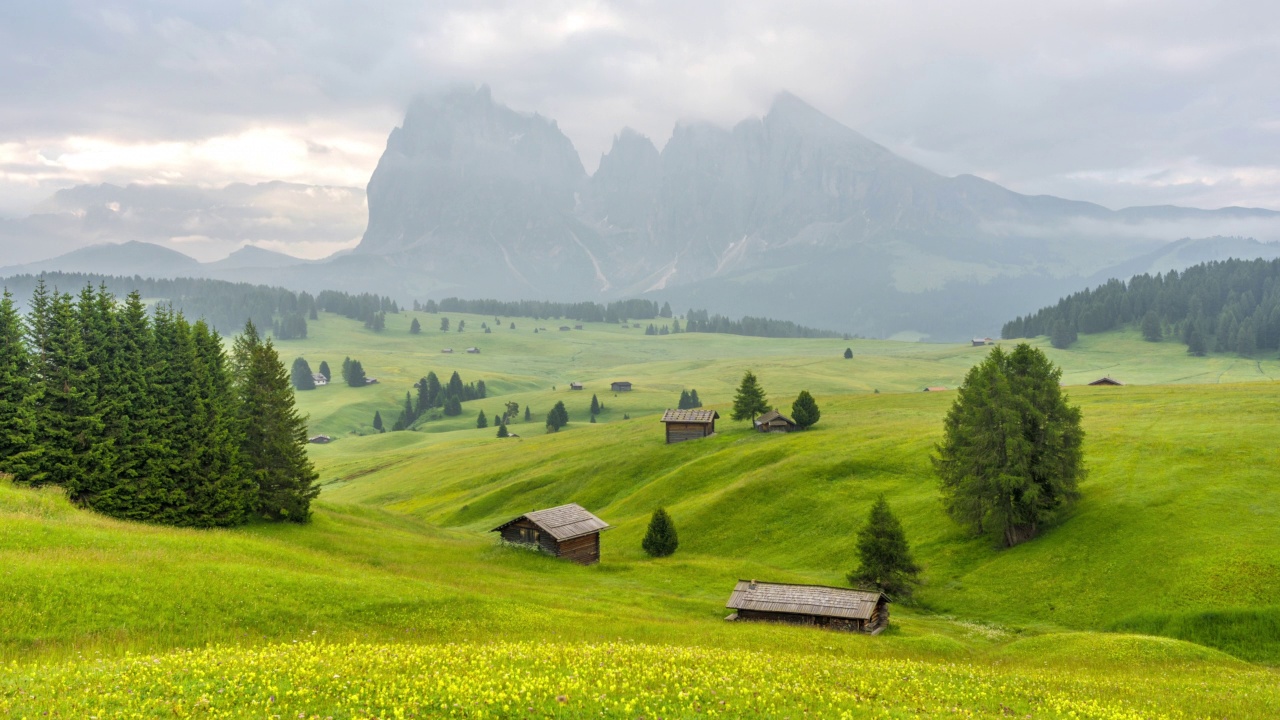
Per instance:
(377,421)
(595,406)
(433,397)
(804,411)
(527,414)
(884,557)
(407,415)
(300,376)
(694,400)
(444,324)
(456,388)
(481,421)
(1151,331)
(502,430)
(660,539)
(324,370)
(749,401)
(558,417)
(452,406)
(275,436)
(18,449)
(848,353)
(171,467)
(415,327)
(218,490)
(684,400)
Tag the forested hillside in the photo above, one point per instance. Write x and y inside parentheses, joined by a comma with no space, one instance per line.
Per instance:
(1228,306)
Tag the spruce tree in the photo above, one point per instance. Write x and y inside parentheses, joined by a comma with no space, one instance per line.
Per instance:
(219,491)
(172,382)
(377,421)
(848,353)
(749,402)
(684,401)
(444,324)
(19,453)
(300,376)
(324,370)
(452,406)
(502,430)
(694,400)
(481,421)
(275,436)
(527,415)
(884,557)
(660,539)
(558,417)
(456,388)
(595,406)
(1151,331)
(415,327)
(434,397)
(804,411)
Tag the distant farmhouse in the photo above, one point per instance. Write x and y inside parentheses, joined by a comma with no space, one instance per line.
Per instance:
(567,531)
(473,351)
(979,342)
(774,422)
(319,379)
(621,386)
(1106,381)
(818,605)
(684,425)
(575,386)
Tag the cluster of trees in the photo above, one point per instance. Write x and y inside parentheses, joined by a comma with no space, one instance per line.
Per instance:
(363,307)
(301,377)
(700,321)
(376,322)
(652,329)
(429,394)
(749,402)
(144,416)
(353,373)
(557,417)
(1228,306)
(689,399)
(537,309)
(224,306)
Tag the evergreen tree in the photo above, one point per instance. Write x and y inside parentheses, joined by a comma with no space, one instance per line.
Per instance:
(558,417)
(324,370)
(1196,344)
(444,324)
(660,539)
(481,421)
(275,436)
(749,402)
(1011,453)
(407,415)
(694,400)
(1063,335)
(18,449)
(434,397)
(527,415)
(353,373)
(684,400)
(377,421)
(502,430)
(804,411)
(171,467)
(461,325)
(300,376)
(456,388)
(848,353)
(666,310)
(218,490)
(452,406)
(595,406)
(415,327)
(884,557)
(1151,331)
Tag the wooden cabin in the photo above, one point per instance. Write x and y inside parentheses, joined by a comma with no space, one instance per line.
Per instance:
(622,386)
(689,424)
(1106,381)
(567,531)
(774,421)
(979,342)
(817,605)
(473,351)
(575,386)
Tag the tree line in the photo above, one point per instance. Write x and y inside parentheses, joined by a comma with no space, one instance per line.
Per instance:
(430,394)
(613,312)
(1227,306)
(700,321)
(144,416)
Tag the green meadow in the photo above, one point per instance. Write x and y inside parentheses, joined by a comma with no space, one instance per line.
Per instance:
(1155,595)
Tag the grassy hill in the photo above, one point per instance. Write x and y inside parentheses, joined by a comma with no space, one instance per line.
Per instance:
(396,598)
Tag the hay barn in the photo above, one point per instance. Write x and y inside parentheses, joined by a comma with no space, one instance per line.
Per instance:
(816,605)
(567,531)
(684,425)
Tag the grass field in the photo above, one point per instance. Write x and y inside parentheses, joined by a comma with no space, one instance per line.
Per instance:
(396,601)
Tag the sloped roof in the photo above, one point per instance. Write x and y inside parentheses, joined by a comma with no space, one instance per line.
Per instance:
(773,415)
(562,523)
(1106,381)
(803,599)
(691,416)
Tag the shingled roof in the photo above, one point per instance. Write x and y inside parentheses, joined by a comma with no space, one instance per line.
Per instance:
(690,416)
(773,415)
(563,523)
(803,600)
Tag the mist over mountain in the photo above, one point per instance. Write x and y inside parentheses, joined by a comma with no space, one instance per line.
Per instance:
(790,215)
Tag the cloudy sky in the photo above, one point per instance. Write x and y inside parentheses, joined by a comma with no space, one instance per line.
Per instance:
(1116,102)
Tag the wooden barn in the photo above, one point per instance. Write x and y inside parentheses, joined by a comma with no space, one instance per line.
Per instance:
(575,386)
(620,386)
(1106,381)
(773,422)
(689,424)
(817,605)
(567,531)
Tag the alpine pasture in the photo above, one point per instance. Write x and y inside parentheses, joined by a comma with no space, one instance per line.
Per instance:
(1153,596)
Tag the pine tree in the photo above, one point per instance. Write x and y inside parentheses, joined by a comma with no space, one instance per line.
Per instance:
(19,453)
(749,402)
(1063,335)
(884,557)
(452,406)
(456,388)
(415,327)
(324,370)
(377,421)
(694,400)
(407,415)
(163,497)
(595,406)
(444,324)
(527,415)
(502,430)
(848,353)
(665,311)
(275,436)
(558,417)
(660,539)
(353,373)
(300,376)
(684,400)
(481,421)
(218,490)
(1151,331)
(804,411)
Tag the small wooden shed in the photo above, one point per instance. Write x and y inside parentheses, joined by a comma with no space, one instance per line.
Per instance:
(817,605)
(689,424)
(567,531)
(620,386)
(575,386)
(1106,381)
(774,421)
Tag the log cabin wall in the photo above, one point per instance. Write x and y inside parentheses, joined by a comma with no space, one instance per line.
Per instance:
(584,550)
(679,432)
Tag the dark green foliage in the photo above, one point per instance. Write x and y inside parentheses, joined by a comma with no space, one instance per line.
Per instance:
(1063,335)
(407,415)
(689,400)
(502,430)
(324,370)
(452,406)
(666,310)
(804,411)
(527,415)
(377,421)
(1232,305)
(481,421)
(884,557)
(558,417)
(1011,454)
(848,353)
(376,322)
(415,327)
(660,539)
(353,373)
(749,401)
(444,324)
(1151,330)
(301,376)
(18,449)
(291,326)
(595,406)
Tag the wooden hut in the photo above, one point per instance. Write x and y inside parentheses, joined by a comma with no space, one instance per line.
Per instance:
(689,424)
(575,386)
(817,605)
(1106,381)
(774,421)
(979,342)
(620,386)
(567,531)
